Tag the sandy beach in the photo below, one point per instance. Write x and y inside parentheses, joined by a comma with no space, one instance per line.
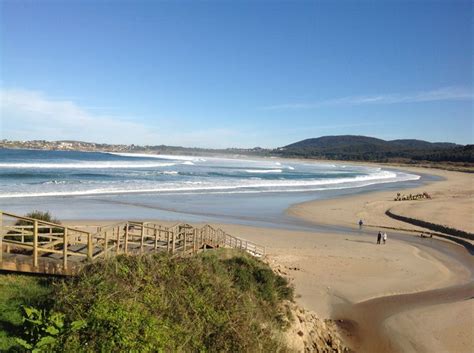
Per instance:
(386,290)
(451,204)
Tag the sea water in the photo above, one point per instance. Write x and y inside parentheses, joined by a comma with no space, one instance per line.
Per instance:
(99,185)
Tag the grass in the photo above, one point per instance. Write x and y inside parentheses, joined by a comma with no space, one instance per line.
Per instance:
(220,300)
(15,291)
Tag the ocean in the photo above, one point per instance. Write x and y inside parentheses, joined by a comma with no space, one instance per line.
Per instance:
(95,185)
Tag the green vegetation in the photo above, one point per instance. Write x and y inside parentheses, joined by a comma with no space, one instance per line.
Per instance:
(17,291)
(362,148)
(220,300)
(40,215)
(344,147)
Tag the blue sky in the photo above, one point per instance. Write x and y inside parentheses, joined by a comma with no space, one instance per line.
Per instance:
(236,73)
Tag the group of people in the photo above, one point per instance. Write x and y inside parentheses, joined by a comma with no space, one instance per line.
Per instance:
(401,197)
(381,236)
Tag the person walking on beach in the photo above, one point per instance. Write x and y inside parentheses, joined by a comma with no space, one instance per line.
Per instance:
(360,224)
(379,236)
(384,237)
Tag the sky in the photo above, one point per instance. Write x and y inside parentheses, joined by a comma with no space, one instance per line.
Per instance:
(235,73)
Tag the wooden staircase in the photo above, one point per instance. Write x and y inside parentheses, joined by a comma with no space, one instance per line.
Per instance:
(36,246)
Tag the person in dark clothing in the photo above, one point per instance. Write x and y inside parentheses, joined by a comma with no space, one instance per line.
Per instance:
(379,237)
(360,224)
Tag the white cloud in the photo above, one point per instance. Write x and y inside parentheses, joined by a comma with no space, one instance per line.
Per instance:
(28,115)
(442,94)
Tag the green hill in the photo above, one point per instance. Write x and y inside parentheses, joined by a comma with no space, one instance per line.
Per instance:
(363,148)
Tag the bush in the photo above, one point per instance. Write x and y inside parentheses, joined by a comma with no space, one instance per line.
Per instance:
(217,301)
(43,216)
(39,215)
(17,291)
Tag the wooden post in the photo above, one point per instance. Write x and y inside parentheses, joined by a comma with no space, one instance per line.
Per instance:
(117,250)
(106,244)
(194,240)
(89,246)
(1,237)
(167,240)
(65,244)
(126,238)
(185,239)
(35,243)
(173,242)
(142,233)
(156,239)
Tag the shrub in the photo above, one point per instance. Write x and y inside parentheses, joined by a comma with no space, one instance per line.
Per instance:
(39,215)
(215,301)
(43,216)
(17,291)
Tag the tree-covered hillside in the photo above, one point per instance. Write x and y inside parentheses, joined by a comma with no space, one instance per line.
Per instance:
(365,148)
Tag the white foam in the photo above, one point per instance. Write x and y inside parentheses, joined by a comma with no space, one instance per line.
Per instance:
(171,172)
(54,182)
(263,171)
(249,185)
(188,163)
(85,165)
(159,156)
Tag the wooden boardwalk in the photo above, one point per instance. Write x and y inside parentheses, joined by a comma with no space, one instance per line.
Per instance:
(36,246)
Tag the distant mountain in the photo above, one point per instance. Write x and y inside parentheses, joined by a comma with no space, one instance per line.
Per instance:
(349,147)
(339,143)
(420,144)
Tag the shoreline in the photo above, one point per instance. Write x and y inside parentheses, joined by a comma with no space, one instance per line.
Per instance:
(455,190)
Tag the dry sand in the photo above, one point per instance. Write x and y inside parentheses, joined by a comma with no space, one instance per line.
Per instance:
(333,271)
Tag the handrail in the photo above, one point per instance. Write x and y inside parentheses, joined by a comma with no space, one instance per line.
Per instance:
(73,246)
(42,222)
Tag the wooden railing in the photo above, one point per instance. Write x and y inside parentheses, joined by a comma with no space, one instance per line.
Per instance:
(33,245)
